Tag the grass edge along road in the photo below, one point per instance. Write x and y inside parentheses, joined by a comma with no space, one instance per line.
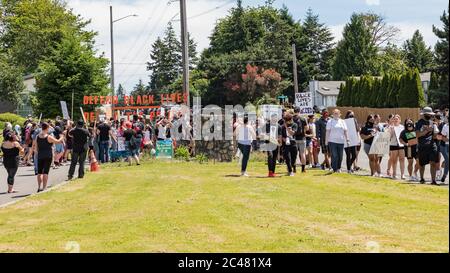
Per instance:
(189,207)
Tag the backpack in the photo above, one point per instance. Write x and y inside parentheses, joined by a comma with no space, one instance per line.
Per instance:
(300,130)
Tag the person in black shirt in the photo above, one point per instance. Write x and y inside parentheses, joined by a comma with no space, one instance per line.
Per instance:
(300,136)
(104,132)
(426,132)
(290,148)
(271,140)
(409,139)
(368,133)
(80,138)
(130,141)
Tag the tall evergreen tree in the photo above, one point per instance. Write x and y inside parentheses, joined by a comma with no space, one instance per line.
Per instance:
(418,55)
(356,53)
(140,89)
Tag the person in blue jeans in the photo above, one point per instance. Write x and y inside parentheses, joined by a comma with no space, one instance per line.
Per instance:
(444,151)
(336,137)
(104,136)
(245,134)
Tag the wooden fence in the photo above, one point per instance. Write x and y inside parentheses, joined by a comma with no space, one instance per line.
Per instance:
(361,113)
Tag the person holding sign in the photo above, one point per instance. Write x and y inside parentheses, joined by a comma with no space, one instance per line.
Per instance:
(368,132)
(271,140)
(409,140)
(426,132)
(337,137)
(351,150)
(396,150)
(245,134)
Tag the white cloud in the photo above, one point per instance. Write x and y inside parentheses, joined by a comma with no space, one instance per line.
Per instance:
(373,2)
(133,36)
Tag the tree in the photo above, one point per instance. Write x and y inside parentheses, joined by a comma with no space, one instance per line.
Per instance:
(379,30)
(418,55)
(31,29)
(439,96)
(316,49)
(411,93)
(71,67)
(140,89)
(11,81)
(392,60)
(356,53)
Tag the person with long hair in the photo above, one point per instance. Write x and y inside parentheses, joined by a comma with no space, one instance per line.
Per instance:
(44,148)
(368,132)
(288,132)
(11,158)
(321,130)
(387,125)
(351,151)
(337,137)
(245,134)
(409,139)
(396,149)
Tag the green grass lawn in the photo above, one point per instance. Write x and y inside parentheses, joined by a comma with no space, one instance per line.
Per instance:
(188,207)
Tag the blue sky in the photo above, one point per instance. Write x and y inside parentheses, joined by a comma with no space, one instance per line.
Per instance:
(135,35)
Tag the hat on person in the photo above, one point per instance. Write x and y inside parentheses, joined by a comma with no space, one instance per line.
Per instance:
(428,111)
(80,123)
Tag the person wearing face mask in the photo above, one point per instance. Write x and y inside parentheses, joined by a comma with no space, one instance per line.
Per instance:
(397,152)
(290,148)
(409,139)
(426,132)
(321,131)
(336,138)
(368,133)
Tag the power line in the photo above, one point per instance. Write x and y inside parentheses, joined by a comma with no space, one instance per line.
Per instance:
(208,11)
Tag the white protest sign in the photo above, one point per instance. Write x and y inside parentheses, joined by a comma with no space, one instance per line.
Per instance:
(268,110)
(304,102)
(352,133)
(64,109)
(398,130)
(121,144)
(380,145)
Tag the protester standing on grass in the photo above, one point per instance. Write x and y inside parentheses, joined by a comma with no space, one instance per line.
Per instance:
(11,150)
(368,133)
(336,138)
(444,150)
(104,133)
(289,129)
(245,134)
(69,127)
(274,143)
(396,149)
(321,132)
(426,132)
(409,139)
(351,151)
(80,137)
(130,141)
(300,137)
(310,142)
(438,121)
(44,148)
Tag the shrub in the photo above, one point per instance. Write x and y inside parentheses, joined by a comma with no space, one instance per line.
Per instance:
(182,153)
(12,118)
(201,158)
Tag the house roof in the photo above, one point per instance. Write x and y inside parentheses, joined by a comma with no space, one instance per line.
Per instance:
(329,88)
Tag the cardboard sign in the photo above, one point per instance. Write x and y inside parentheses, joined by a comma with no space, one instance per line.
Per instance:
(121,147)
(398,130)
(305,103)
(380,145)
(164,149)
(352,133)
(64,110)
(268,110)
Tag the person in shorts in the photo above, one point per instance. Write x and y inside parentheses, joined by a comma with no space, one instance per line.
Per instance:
(428,153)
(409,139)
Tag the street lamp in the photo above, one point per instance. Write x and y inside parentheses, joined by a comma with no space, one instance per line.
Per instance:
(112,21)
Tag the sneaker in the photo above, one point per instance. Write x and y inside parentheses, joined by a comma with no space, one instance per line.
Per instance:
(322,167)
(403,177)
(244,174)
(291,174)
(422,181)
(443,179)
(413,179)
(434,183)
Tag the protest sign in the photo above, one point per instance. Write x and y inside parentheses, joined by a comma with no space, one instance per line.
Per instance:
(164,149)
(121,144)
(352,133)
(398,130)
(64,110)
(305,103)
(380,145)
(268,110)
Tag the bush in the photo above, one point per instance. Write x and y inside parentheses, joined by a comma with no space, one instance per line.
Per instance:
(201,158)
(182,153)
(12,118)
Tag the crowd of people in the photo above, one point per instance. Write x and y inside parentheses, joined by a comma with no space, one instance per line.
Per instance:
(413,144)
(295,140)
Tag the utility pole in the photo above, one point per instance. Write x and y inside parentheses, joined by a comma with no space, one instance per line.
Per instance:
(112,59)
(185,51)
(294,58)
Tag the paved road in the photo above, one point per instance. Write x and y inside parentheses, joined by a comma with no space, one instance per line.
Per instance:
(26,183)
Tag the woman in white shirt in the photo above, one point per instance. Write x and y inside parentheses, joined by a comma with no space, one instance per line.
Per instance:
(444,152)
(336,138)
(245,134)
(397,151)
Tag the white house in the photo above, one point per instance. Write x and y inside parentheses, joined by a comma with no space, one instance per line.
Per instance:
(24,106)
